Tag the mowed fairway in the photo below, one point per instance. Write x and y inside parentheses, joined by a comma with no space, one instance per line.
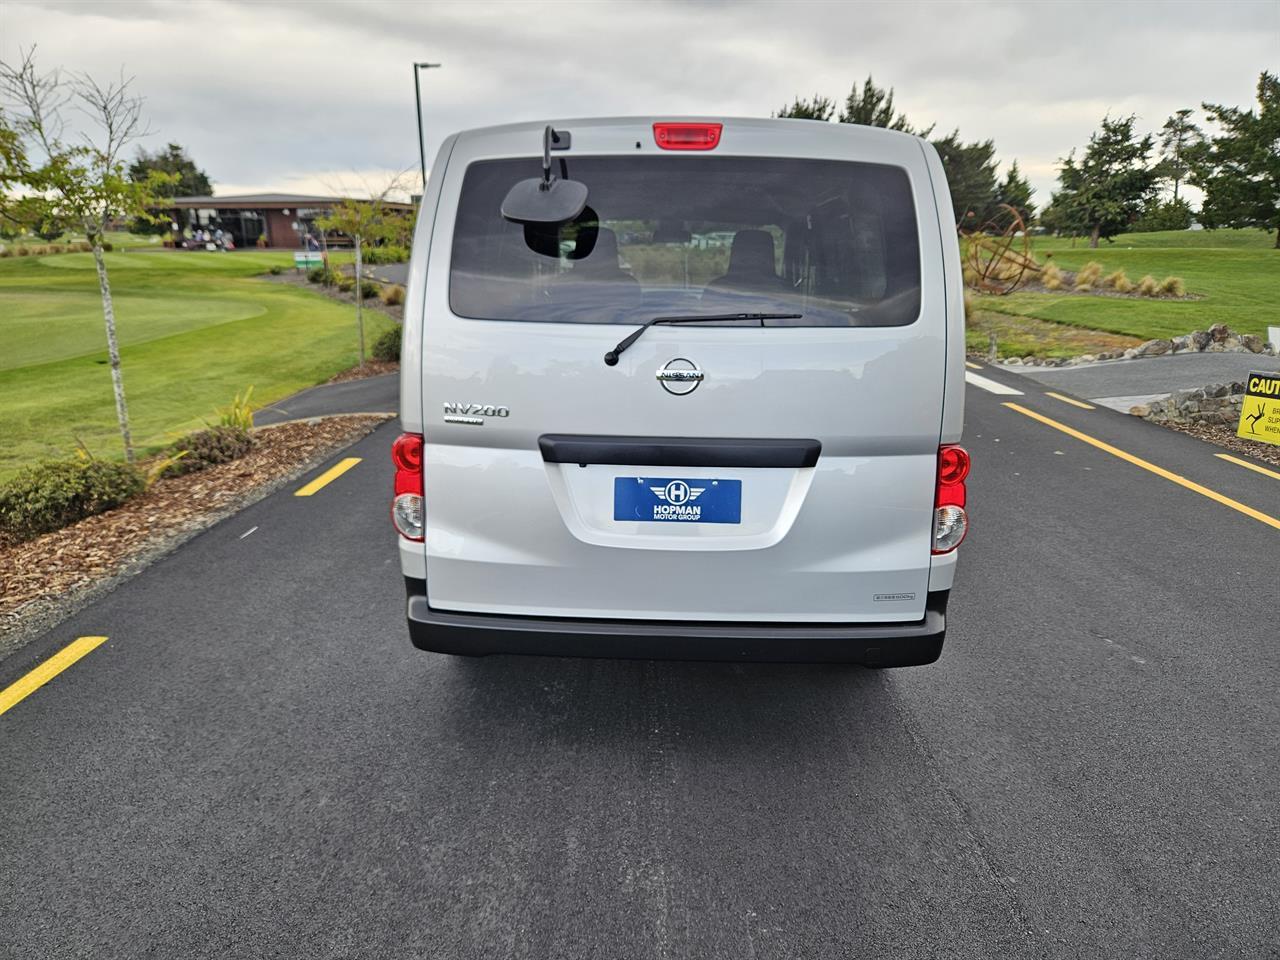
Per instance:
(194,329)
(1236,273)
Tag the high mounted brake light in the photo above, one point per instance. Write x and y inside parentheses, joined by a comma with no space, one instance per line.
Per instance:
(687,136)
(950,521)
(408,509)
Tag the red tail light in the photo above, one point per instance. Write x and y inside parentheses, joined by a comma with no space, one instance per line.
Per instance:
(408,509)
(950,520)
(687,136)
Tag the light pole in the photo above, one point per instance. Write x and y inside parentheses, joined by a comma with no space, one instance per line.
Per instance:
(417,96)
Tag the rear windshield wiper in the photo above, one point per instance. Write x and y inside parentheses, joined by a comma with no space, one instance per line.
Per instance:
(611,358)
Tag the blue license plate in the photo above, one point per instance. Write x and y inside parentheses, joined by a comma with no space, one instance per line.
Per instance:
(676,500)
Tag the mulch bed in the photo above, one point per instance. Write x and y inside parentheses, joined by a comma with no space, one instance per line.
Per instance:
(370,368)
(1225,436)
(42,581)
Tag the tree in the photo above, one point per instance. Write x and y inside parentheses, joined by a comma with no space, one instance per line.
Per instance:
(1180,140)
(1107,190)
(173,159)
(78,185)
(1239,170)
(1172,215)
(873,107)
(971,174)
(1015,191)
(819,108)
(364,221)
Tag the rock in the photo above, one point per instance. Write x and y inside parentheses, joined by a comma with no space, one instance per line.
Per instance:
(1141,410)
(1088,358)
(1216,390)
(1013,362)
(1200,339)
(1156,406)
(1251,342)
(1214,348)
(1232,344)
(1155,348)
(1131,353)
(1182,343)
(1189,406)
(1029,361)
(1219,332)
(1237,387)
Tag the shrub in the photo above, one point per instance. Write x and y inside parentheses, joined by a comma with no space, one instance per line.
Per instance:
(1118,281)
(388,254)
(276,270)
(84,246)
(393,295)
(238,413)
(1051,277)
(6,252)
(1147,286)
(23,252)
(40,251)
(1172,215)
(1173,287)
(1089,274)
(369,290)
(344,284)
(108,246)
(56,248)
(317,275)
(387,346)
(56,493)
(204,448)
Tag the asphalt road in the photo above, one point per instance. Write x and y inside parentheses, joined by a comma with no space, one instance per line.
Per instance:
(1120,384)
(257,764)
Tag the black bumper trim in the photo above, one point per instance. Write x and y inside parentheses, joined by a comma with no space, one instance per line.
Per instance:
(679,451)
(871,644)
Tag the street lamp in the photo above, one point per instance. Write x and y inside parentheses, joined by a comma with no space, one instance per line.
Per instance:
(417,95)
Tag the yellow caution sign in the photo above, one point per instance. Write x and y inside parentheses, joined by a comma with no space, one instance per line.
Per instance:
(1260,415)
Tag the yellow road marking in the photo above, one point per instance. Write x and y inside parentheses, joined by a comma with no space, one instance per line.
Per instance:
(330,475)
(1070,400)
(973,366)
(24,686)
(1146,465)
(1247,465)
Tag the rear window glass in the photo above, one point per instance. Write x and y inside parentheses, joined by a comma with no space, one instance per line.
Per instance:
(833,240)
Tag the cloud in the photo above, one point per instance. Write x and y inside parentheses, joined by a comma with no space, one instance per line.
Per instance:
(266,96)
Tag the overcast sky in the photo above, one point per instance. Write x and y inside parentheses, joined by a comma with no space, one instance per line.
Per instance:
(318,96)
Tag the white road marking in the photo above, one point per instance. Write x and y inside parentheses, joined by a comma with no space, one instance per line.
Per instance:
(247,532)
(991,386)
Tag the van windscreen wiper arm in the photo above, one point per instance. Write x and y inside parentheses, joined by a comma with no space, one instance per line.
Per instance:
(611,358)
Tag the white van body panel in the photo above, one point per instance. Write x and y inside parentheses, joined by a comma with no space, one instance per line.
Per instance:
(846,540)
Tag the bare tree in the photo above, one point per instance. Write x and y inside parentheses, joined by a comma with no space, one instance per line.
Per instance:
(80,181)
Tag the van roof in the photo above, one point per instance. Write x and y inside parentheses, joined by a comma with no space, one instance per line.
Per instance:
(822,130)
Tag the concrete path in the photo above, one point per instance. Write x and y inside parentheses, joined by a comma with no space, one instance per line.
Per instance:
(1119,384)
(371,395)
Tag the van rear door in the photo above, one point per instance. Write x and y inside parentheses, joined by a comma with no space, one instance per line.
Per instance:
(743,470)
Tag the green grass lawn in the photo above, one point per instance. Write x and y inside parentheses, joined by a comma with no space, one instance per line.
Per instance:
(1235,272)
(194,329)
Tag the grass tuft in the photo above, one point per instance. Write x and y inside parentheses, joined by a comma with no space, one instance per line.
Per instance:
(1173,287)
(1148,286)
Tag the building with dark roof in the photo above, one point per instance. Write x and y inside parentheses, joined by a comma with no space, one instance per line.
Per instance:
(283,219)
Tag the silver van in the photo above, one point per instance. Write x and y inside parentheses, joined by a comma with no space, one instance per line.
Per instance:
(683,389)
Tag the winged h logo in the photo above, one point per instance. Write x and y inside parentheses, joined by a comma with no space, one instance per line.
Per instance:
(677,492)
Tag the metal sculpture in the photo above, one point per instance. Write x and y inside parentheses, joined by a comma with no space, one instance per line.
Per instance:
(998,254)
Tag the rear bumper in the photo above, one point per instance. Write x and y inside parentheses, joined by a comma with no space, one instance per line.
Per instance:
(871,644)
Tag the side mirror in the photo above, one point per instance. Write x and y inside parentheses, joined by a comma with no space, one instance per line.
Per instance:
(545,199)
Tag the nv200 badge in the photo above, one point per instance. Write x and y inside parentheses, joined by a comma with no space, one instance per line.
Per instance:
(472,414)
(672,499)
